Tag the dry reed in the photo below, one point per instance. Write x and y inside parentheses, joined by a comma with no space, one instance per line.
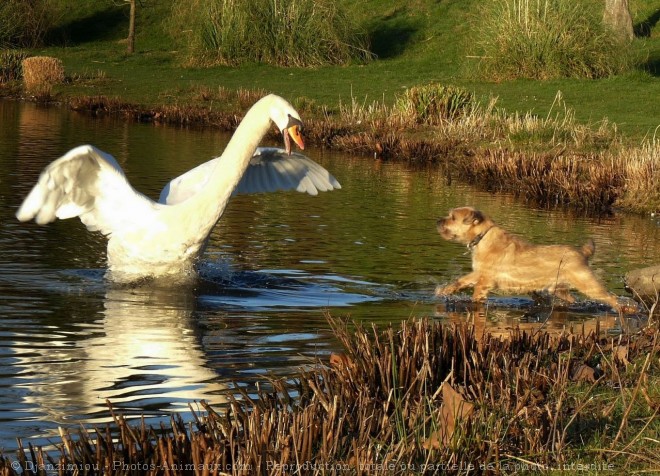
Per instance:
(641,168)
(423,398)
(40,73)
(585,181)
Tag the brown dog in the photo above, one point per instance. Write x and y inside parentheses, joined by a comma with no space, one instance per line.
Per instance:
(503,261)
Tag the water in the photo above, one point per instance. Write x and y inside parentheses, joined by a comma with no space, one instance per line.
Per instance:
(275,266)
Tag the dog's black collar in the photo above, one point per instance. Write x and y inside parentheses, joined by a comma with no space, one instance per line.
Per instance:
(477,239)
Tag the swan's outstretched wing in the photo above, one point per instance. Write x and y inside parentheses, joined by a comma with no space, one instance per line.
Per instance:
(87,183)
(270,169)
(186,185)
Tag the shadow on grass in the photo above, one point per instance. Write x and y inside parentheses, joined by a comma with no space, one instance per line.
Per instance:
(107,24)
(643,28)
(652,65)
(392,34)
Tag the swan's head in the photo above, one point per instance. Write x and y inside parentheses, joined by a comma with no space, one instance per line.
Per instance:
(287,120)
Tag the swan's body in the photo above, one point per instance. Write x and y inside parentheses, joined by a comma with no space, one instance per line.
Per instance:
(148,238)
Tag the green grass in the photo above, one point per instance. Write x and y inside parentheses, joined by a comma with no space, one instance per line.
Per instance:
(418,42)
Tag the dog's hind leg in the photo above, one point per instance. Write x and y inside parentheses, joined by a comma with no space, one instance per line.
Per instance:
(590,286)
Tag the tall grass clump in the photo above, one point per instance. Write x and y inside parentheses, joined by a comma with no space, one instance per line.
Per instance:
(11,65)
(23,23)
(544,39)
(433,103)
(304,33)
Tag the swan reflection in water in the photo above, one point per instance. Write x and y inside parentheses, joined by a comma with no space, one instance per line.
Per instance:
(154,350)
(143,355)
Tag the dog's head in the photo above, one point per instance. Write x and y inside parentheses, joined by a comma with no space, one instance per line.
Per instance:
(463,224)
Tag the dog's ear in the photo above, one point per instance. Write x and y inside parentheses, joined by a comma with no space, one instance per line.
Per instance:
(475,217)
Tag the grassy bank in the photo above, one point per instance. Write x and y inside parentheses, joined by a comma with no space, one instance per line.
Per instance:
(550,161)
(416,43)
(561,143)
(423,398)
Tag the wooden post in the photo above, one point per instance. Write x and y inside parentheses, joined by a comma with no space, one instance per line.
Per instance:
(131,28)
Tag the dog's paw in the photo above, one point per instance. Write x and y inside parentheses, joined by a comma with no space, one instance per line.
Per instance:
(627,306)
(443,290)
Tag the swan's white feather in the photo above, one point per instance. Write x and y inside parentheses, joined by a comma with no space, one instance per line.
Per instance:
(87,183)
(270,170)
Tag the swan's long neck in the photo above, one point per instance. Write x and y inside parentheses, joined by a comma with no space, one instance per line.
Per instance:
(236,156)
(211,201)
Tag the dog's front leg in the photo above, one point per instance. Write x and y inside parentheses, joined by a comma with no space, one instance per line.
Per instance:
(466,281)
(481,290)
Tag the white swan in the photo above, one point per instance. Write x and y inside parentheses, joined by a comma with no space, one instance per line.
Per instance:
(165,238)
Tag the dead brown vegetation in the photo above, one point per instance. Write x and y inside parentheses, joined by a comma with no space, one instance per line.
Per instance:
(549,160)
(584,181)
(422,398)
(40,73)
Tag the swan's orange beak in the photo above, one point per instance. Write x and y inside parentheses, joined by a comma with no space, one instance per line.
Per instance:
(294,133)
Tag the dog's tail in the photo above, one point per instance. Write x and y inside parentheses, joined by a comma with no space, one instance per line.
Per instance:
(588,248)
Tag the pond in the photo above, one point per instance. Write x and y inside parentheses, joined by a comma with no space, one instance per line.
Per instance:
(278,264)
